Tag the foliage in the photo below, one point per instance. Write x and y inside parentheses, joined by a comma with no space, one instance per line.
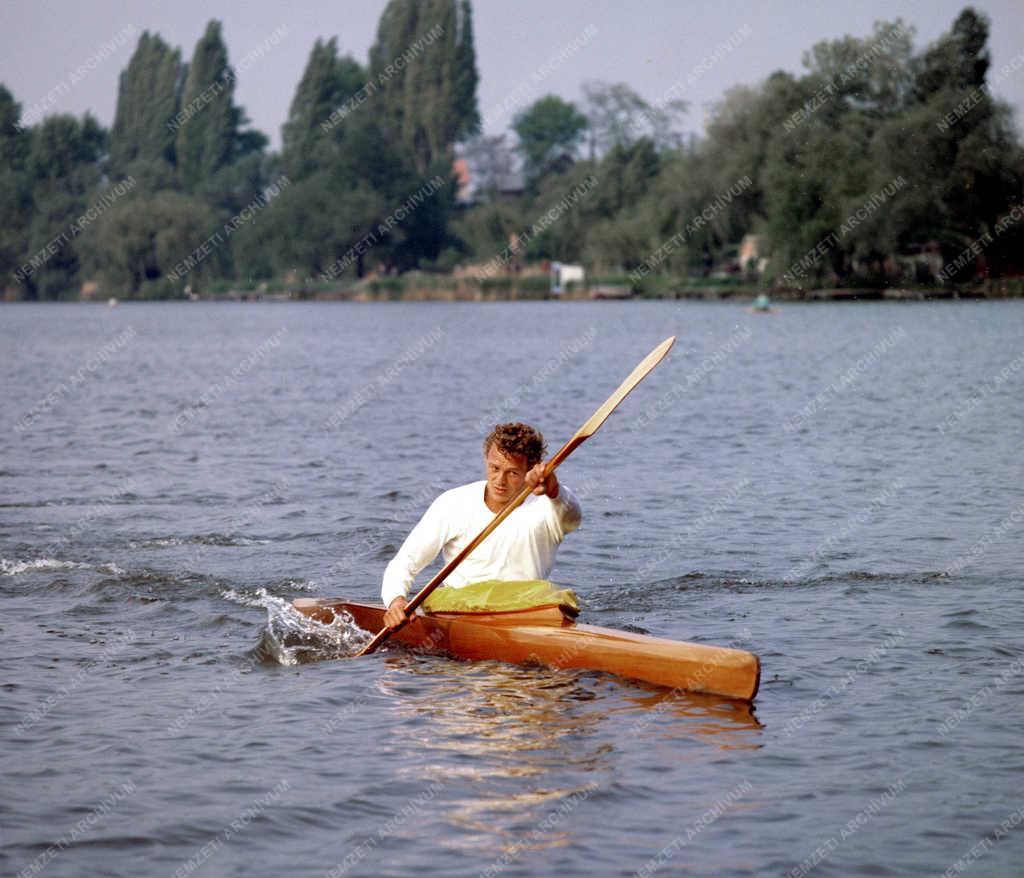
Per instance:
(796,160)
(549,130)
(148,97)
(138,243)
(61,178)
(423,63)
(327,83)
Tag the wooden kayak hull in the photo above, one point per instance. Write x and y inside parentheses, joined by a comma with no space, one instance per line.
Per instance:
(550,637)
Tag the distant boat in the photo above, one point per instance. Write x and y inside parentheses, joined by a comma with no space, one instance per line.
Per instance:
(762,305)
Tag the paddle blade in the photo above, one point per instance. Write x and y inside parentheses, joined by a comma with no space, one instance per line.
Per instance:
(635,377)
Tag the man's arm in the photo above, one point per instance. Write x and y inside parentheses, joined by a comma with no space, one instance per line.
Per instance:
(425,540)
(564,504)
(568,511)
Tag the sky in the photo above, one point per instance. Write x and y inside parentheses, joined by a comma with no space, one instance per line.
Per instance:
(656,46)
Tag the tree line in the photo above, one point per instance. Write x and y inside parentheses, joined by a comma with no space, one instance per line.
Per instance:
(879,164)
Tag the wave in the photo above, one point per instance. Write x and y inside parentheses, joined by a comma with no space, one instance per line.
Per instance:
(14,568)
(214,539)
(650,592)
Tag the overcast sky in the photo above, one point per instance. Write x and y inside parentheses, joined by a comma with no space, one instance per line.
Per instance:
(650,45)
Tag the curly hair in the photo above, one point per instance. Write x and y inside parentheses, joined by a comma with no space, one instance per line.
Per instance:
(517,438)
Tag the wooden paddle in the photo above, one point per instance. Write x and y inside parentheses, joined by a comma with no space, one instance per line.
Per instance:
(581,435)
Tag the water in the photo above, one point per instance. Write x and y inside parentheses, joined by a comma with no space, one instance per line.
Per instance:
(164,712)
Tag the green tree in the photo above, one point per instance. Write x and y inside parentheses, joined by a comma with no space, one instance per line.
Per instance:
(957,148)
(959,60)
(63,174)
(313,225)
(349,172)
(625,173)
(149,92)
(423,63)
(464,113)
(319,105)
(485,229)
(548,130)
(138,242)
(872,74)
(208,122)
(15,190)
(219,159)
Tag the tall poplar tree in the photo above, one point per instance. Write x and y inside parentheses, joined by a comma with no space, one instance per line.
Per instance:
(319,106)
(208,117)
(424,64)
(148,97)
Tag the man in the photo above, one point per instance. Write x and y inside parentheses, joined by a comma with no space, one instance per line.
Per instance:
(522,547)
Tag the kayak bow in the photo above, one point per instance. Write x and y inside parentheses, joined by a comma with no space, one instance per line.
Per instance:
(550,636)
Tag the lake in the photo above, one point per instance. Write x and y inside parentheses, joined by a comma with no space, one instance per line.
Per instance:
(838,488)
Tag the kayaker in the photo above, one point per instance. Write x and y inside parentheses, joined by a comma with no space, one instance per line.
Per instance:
(523,548)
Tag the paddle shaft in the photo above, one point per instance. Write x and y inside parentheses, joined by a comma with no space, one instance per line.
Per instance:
(581,435)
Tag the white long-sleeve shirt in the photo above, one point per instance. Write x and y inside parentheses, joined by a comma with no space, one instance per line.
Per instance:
(521,547)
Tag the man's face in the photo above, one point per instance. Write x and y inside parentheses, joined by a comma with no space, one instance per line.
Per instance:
(505,475)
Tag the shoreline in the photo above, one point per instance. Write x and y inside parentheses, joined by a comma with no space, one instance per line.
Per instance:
(991,290)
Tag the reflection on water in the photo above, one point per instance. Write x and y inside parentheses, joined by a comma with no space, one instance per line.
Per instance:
(525,743)
(709,719)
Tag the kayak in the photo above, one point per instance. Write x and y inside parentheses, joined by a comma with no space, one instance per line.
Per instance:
(550,636)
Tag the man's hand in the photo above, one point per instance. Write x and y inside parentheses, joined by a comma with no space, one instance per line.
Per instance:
(535,479)
(394,616)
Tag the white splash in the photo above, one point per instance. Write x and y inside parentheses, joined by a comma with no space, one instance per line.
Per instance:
(293,638)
